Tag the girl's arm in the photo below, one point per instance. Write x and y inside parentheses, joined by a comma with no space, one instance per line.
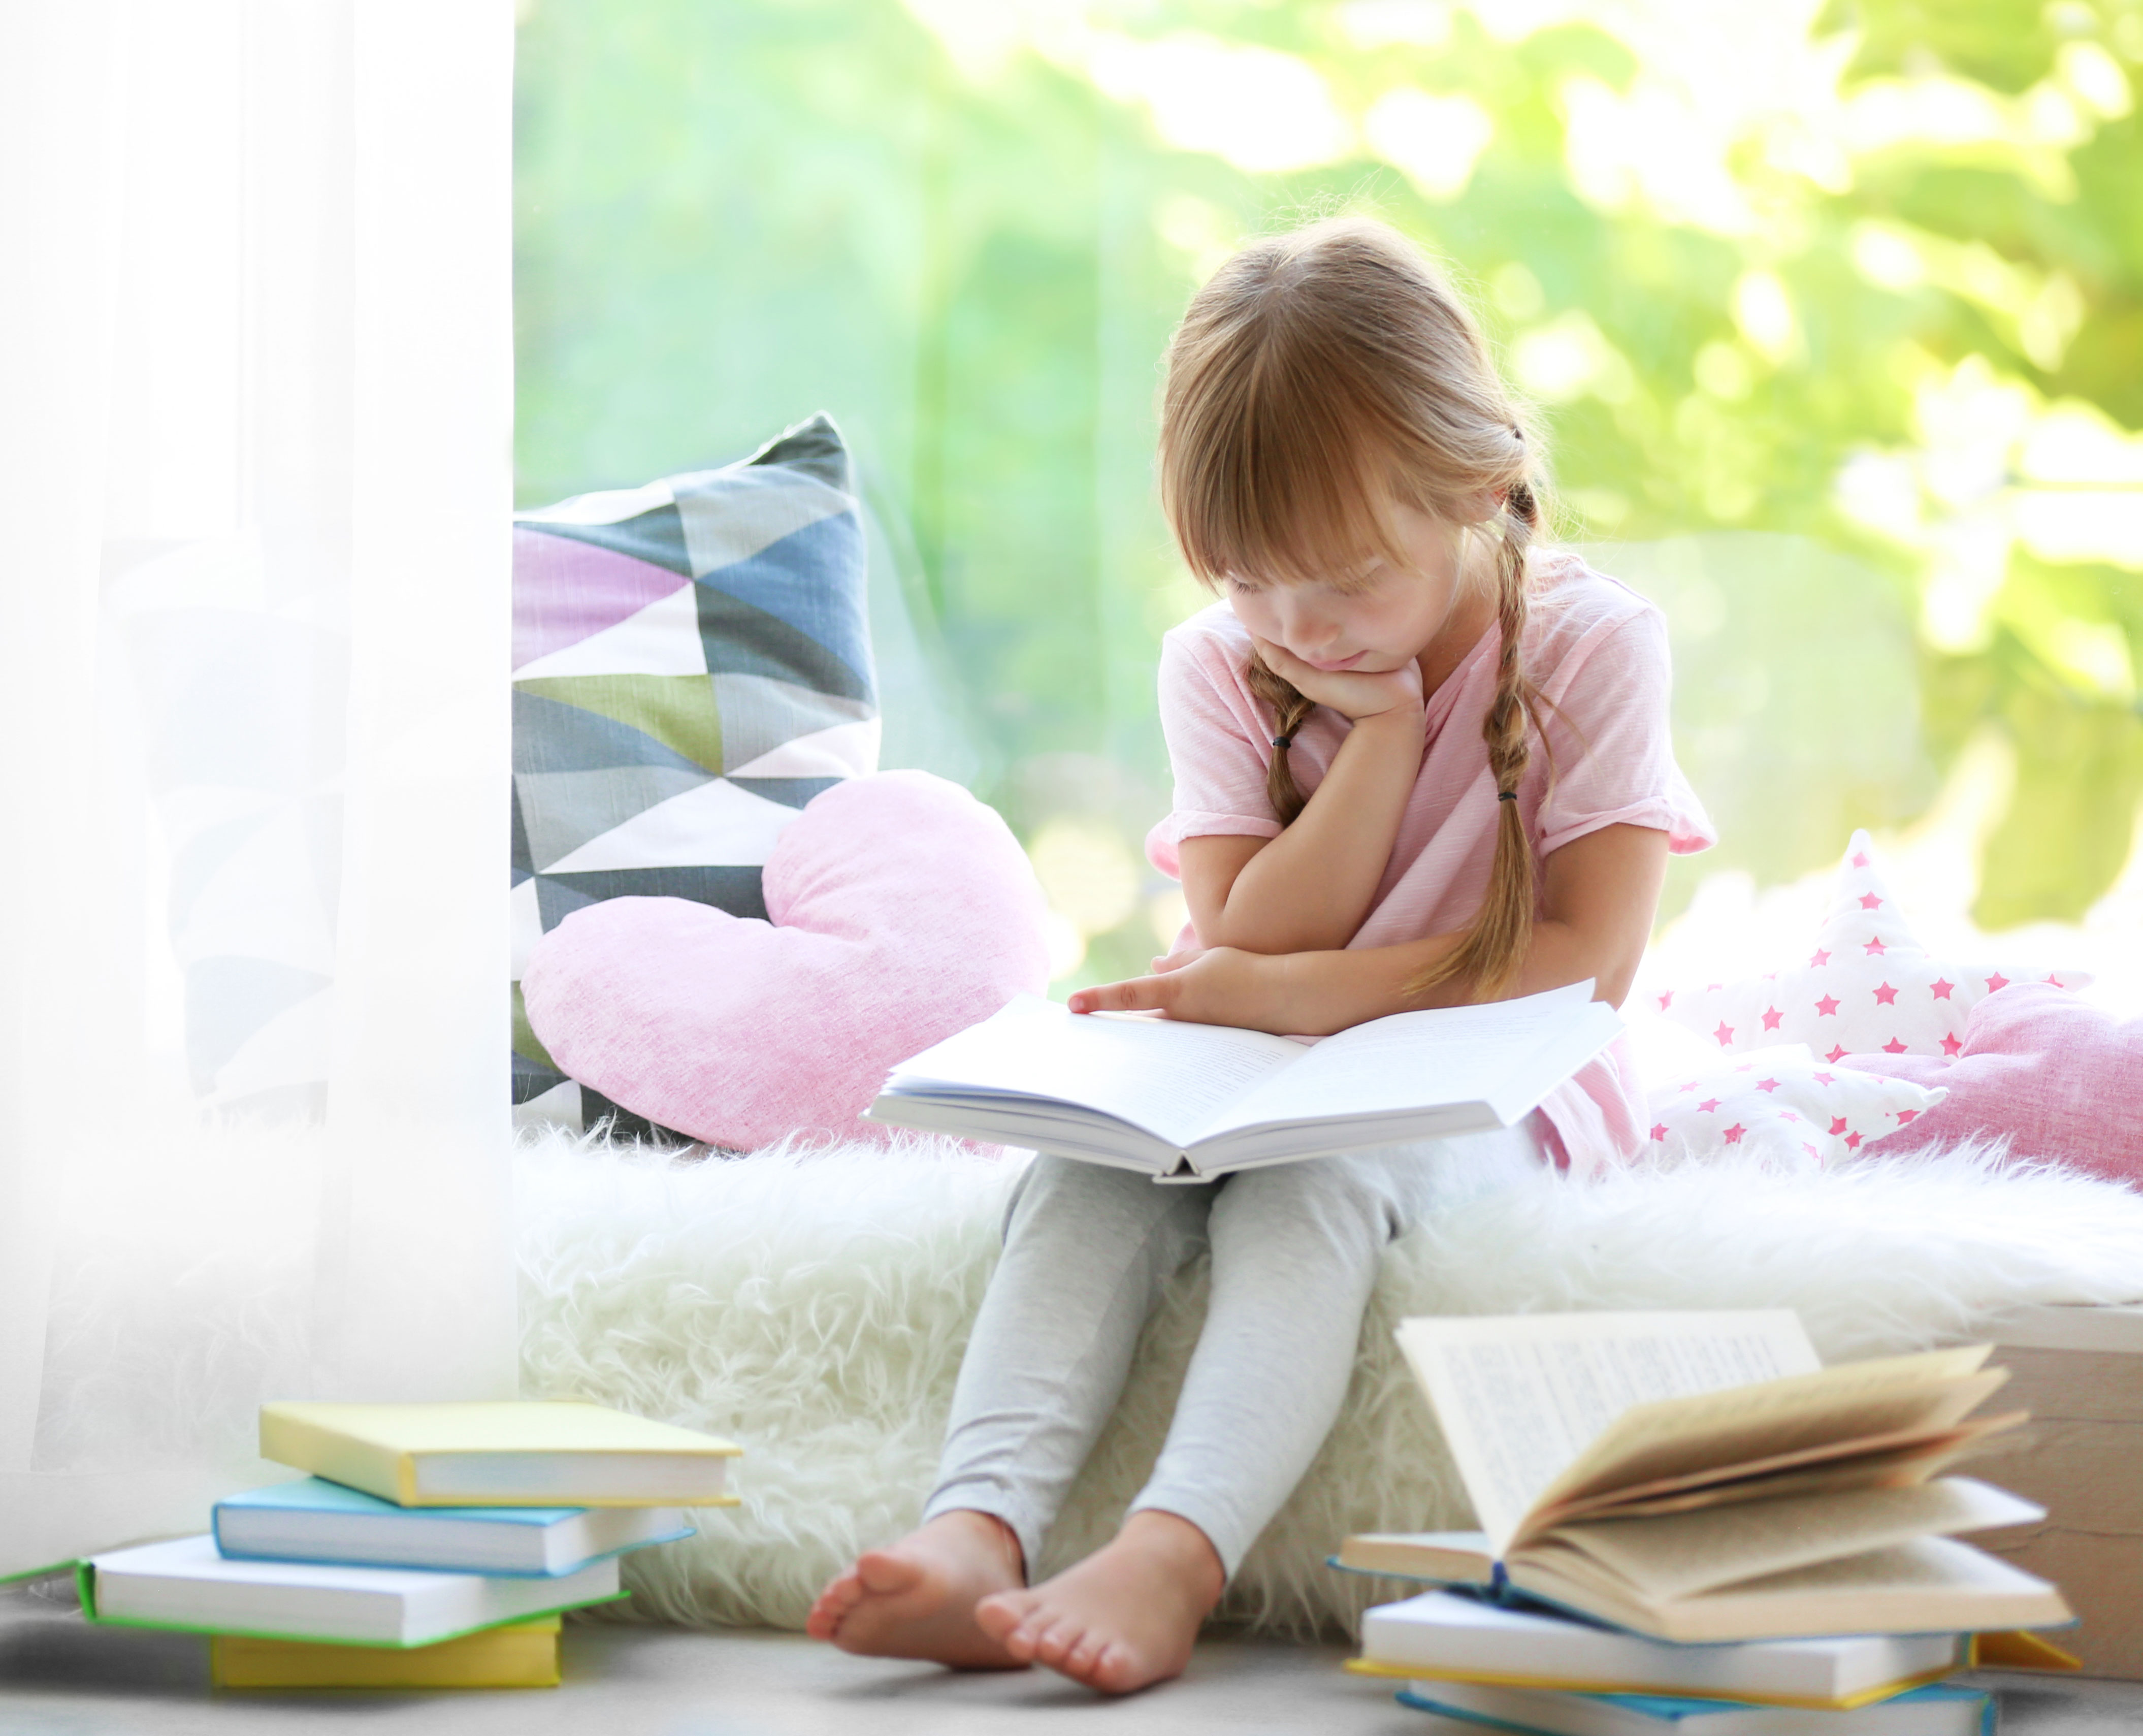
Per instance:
(1309,889)
(1598,894)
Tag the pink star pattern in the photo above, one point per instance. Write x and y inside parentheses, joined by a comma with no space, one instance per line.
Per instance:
(1893,1047)
(1865,979)
(1778,1107)
(1951,1044)
(1836,1055)
(1852,1142)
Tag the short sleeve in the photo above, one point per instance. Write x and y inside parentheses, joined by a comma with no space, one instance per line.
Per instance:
(1216,749)
(1612,747)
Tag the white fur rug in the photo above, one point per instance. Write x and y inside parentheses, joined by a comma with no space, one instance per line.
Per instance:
(814,1306)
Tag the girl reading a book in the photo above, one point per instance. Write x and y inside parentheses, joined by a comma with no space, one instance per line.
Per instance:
(1420,759)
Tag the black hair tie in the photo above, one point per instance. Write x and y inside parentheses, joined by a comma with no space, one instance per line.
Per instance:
(1506,796)
(1283,741)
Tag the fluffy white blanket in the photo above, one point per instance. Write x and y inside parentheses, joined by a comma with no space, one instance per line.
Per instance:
(814,1306)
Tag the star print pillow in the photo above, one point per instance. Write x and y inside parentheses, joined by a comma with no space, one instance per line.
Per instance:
(1792,1110)
(1865,987)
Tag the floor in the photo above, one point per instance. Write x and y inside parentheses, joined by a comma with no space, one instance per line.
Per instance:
(59,1677)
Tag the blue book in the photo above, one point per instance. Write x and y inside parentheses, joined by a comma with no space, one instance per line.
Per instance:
(1942,1709)
(313,1519)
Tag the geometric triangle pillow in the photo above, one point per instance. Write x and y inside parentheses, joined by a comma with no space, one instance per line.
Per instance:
(692,665)
(1865,985)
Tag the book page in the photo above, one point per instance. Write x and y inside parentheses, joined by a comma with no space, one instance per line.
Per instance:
(1720,1430)
(1164,1075)
(1420,1060)
(1520,1396)
(1682,1554)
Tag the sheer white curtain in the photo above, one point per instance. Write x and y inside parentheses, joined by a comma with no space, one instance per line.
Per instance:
(255,413)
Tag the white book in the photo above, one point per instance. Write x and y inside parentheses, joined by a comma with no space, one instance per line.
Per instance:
(1186,1101)
(1458,1637)
(314,1520)
(1943,1709)
(186,1583)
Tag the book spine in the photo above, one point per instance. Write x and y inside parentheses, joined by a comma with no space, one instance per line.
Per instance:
(356,1464)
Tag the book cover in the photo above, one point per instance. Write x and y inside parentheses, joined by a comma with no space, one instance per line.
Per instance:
(186,1586)
(525,1453)
(519,1655)
(1942,1709)
(314,1520)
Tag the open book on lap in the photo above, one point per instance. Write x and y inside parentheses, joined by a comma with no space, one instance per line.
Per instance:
(1179,1099)
(1699,1478)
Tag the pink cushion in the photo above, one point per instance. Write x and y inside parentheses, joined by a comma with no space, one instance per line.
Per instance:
(1797,1112)
(1867,984)
(2057,1076)
(903,911)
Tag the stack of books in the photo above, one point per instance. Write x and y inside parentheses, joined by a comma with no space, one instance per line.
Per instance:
(433,1546)
(1689,1525)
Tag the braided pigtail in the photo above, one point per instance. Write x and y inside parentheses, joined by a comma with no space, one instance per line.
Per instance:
(1290,711)
(1495,947)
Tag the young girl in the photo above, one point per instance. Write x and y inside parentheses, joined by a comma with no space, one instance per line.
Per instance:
(1414,766)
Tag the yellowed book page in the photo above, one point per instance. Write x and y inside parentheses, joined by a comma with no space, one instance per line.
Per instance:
(1520,1396)
(1905,1455)
(1896,1468)
(1457,1557)
(1679,1555)
(1719,1430)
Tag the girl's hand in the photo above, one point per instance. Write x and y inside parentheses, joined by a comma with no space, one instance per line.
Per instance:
(1353,693)
(1211,985)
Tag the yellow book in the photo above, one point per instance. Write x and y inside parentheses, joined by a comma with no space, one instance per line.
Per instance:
(524,1453)
(520,1654)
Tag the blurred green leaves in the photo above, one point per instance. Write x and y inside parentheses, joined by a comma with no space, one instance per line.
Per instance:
(1835,313)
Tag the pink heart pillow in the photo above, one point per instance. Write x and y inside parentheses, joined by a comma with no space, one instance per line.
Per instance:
(903,911)
(2058,1077)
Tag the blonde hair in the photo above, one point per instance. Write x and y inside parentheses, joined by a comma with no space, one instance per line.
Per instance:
(1318,379)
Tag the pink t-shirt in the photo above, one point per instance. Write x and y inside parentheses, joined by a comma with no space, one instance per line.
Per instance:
(1592,646)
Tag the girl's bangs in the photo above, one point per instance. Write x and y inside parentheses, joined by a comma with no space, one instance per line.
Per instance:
(1298,510)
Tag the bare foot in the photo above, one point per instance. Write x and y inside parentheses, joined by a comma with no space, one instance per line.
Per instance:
(916,1598)
(1125,1617)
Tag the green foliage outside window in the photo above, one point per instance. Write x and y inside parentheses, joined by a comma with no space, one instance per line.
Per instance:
(1835,316)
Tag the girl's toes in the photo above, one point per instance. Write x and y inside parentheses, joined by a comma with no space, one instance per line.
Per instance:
(1114,1671)
(1085,1657)
(1056,1642)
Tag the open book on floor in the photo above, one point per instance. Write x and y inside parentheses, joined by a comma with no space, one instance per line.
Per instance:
(1195,1100)
(1700,1477)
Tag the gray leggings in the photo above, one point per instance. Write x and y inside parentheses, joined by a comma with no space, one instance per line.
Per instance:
(1087,1250)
